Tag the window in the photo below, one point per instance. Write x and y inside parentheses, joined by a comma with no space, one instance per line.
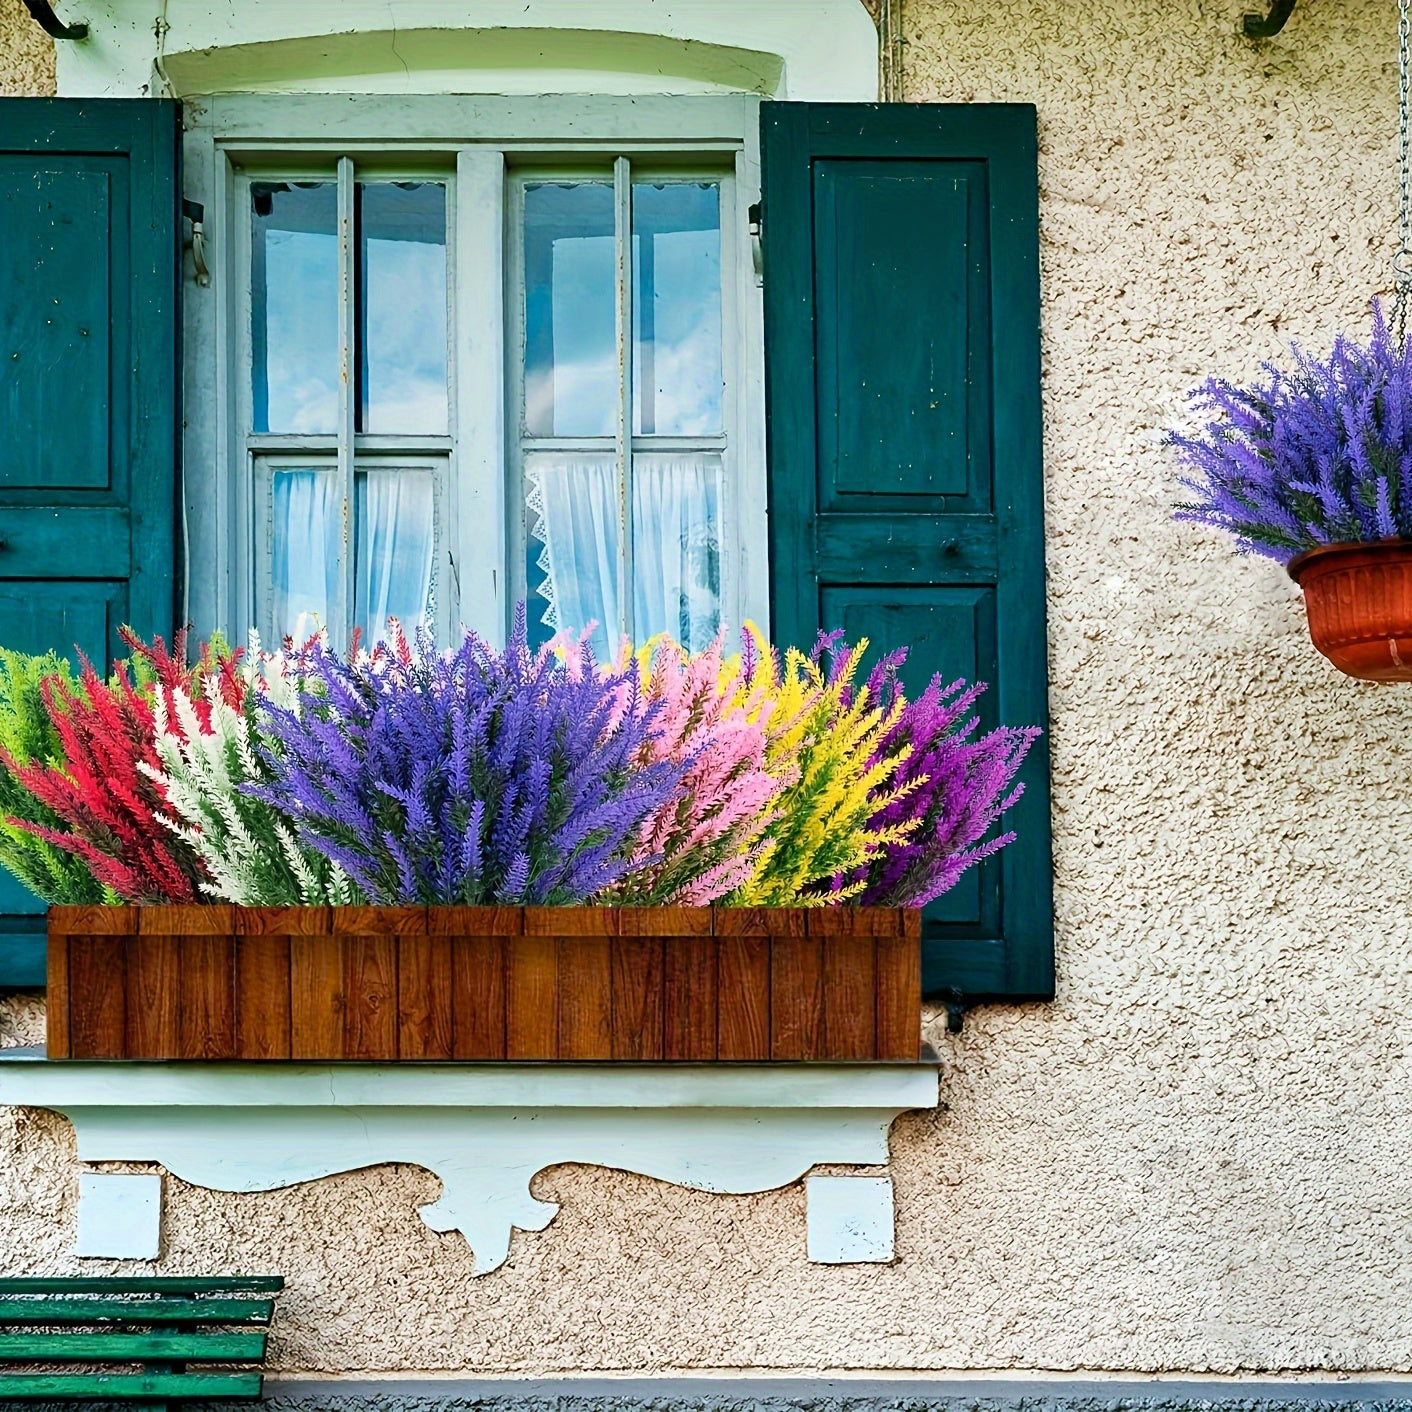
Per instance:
(465,374)
(621,394)
(347,474)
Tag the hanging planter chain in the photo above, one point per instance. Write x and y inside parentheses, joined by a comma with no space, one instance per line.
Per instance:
(1402,261)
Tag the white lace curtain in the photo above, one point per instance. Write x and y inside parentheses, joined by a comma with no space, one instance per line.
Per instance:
(396,546)
(573,499)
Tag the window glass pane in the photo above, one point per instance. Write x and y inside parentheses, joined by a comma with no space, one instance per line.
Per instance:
(572,499)
(677,308)
(571,378)
(396,513)
(677,546)
(402,307)
(306,515)
(294,306)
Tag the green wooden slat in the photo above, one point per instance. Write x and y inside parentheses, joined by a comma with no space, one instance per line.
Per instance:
(132,1348)
(80,1310)
(128,1387)
(147,1284)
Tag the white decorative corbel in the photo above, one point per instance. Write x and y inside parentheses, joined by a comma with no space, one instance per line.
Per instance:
(484,1129)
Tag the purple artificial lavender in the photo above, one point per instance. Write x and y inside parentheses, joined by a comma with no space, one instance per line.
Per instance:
(955,787)
(1319,453)
(473,777)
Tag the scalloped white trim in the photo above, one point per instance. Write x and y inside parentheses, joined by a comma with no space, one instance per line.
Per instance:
(484,1129)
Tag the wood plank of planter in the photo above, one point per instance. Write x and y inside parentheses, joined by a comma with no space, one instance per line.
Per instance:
(585,966)
(57,1035)
(366,940)
(690,981)
(317,995)
(263,979)
(743,945)
(194,946)
(477,936)
(65,923)
(532,987)
(424,995)
(796,987)
(153,986)
(850,936)
(899,990)
(56,996)
(97,942)
(638,967)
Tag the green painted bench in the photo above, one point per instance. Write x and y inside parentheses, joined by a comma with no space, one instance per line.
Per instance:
(145,1333)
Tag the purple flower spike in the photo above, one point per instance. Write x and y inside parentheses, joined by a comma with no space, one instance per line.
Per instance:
(1319,453)
(474,777)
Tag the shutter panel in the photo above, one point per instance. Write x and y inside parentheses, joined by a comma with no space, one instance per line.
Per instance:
(906,499)
(89,377)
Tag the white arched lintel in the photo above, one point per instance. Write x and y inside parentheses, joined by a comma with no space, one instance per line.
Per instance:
(799,49)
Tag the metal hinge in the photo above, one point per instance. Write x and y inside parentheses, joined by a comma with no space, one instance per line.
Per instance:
(755,226)
(195,212)
(955,1009)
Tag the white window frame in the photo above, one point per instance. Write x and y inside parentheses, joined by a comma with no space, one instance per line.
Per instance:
(227,136)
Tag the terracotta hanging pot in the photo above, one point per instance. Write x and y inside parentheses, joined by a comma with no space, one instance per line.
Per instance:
(1359,601)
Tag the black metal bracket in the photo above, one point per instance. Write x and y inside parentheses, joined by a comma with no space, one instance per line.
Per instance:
(955,1010)
(1266,26)
(42,12)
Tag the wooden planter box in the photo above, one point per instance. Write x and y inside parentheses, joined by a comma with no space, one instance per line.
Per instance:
(484,983)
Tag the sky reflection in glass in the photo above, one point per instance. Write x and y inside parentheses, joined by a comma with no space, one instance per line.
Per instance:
(294,306)
(402,307)
(571,376)
(677,308)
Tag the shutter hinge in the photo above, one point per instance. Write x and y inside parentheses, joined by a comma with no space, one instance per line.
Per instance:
(955,1010)
(194,212)
(755,226)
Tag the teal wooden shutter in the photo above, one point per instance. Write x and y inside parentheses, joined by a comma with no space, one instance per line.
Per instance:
(89,378)
(902,367)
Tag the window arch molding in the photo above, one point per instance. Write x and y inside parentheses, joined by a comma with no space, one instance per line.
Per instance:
(796,49)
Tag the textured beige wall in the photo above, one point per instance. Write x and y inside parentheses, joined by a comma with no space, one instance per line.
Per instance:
(1195,1159)
(26,54)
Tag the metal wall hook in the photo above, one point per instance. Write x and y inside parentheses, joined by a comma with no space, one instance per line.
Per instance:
(1265,26)
(42,13)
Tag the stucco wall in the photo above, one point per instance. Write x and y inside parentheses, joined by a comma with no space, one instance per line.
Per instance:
(26,54)
(1195,1159)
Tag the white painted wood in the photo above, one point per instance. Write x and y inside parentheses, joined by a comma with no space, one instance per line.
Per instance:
(480,516)
(348,383)
(800,49)
(747,357)
(622,242)
(850,1220)
(119,1216)
(485,1130)
(447,122)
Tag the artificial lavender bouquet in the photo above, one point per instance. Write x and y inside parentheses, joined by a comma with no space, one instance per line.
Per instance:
(1316,453)
(413,775)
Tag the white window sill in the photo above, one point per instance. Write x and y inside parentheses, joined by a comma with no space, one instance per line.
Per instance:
(484,1129)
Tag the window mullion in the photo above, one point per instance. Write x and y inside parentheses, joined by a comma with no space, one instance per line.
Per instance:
(622,195)
(478,529)
(347,390)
